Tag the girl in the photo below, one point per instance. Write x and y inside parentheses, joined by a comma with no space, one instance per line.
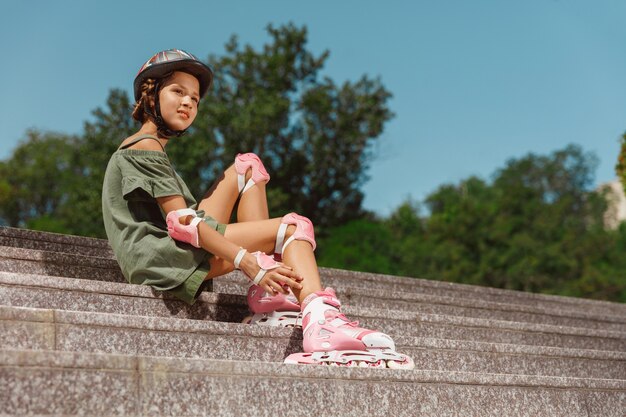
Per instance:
(161,237)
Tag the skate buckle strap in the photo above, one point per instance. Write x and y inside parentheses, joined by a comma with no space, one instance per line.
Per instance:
(341,320)
(332,301)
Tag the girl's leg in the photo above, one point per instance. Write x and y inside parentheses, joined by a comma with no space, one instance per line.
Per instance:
(261,236)
(256,232)
(220,200)
(253,204)
(299,255)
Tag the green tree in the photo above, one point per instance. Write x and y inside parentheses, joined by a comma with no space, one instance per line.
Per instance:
(537,227)
(409,245)
(102,136)
(35,180)
(360,245)
(314,136)
(620,167)
(457,230)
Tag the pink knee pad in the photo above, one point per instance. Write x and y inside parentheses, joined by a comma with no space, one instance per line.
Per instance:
(181,232)
(244,162)
(304,231)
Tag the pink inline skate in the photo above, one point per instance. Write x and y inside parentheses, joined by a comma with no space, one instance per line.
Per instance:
(329,338)
(279,309)
(273,310)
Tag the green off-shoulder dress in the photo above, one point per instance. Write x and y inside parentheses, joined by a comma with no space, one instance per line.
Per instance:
(135,224)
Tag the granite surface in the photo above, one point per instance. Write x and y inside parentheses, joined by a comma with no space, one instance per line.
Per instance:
(493,331)
(486,351)
(118,333)
(396,323)
(27,234)
(388,282)
(55,242)
(59,264)
(368,281)
(483,309)
(43,291)
(66,383)
(40,291)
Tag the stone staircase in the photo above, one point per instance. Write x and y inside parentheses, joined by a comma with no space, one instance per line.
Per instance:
(78,340)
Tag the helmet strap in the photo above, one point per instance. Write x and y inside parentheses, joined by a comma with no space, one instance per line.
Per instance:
(162,128)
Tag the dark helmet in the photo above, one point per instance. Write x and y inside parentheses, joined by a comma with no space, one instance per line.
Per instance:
(166,62)
(173,60)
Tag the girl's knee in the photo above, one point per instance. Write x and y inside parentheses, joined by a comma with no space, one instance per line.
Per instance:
(294,227)
(291,229)
(219,267)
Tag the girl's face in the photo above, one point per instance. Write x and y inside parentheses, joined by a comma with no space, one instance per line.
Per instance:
(179,99)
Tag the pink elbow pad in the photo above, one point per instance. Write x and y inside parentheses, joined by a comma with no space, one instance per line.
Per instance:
(181,232)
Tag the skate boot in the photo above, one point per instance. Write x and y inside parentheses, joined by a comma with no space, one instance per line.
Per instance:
(268,309)
(273,310)
(329,338)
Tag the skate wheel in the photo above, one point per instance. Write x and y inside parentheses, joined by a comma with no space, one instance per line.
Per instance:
(407,364)
(247,320)
(378,364)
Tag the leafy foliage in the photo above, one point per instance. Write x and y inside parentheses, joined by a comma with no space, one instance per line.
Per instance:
(34,182)
(313,135)
(620,167)
(536,227)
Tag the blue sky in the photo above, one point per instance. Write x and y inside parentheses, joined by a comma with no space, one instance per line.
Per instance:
(474,83)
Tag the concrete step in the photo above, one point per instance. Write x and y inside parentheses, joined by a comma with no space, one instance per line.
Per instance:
(64,383)
(55,242)
(76,339)
(65,293)
(46,329)
(59,264)
(30,261)
(398,301)
(40,291)
(50,242)
(432,304)
(388,283)
(236,283)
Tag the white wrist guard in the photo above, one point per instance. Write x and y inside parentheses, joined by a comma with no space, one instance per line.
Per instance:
(266,263)
(242,252)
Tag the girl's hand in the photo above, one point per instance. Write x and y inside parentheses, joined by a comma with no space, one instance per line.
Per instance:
(275,280)
(280,279)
